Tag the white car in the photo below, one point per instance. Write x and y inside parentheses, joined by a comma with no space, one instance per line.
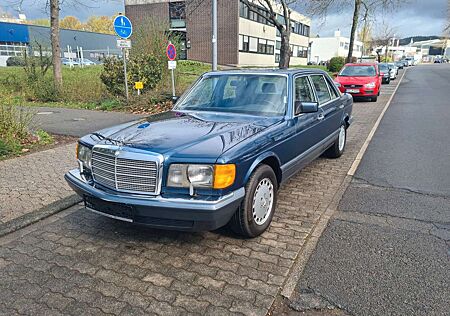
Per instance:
(394,73)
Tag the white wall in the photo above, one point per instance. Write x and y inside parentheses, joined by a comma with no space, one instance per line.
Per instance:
(325,48)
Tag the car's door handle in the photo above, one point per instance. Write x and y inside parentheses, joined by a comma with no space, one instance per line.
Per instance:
(341,106)
(320,117)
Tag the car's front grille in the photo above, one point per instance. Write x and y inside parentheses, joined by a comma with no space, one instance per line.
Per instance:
(352,86)
(123,174)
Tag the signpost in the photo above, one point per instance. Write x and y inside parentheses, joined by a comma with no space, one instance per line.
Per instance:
(124,29)
(171,53)
(139,85)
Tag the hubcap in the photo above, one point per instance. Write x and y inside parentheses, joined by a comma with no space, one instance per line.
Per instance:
(263,201)
(341,138)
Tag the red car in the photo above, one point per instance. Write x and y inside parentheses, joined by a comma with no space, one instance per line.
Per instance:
(360,80)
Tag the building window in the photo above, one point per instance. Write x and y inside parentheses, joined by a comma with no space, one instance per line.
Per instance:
(253,44)
(256,45)
(177,14)
(277,58)
(12,48)
(278,45)
(243,43)
(261,16)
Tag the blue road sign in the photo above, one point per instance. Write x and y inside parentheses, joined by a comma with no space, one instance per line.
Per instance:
(123,26)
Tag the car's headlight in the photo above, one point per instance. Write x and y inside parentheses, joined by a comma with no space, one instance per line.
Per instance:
(370,85)
(196,175)
(84,155)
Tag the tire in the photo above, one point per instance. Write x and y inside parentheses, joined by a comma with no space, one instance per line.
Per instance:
(374,99)
(249,220)
(338,148)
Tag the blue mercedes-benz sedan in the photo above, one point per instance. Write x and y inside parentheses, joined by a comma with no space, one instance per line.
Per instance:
(220,156)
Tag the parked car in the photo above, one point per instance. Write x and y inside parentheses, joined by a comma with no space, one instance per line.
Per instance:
(391,71)
(360,80)
(219,156)
(405,63)
(410,61)
(395,68)
(399,64)
(85,62)
(69,62)
(384,73)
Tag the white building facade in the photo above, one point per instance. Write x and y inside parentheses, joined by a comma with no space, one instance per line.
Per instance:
(325,48)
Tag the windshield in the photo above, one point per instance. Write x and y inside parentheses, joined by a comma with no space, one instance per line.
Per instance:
(358,71)
(254,94)
(383,67)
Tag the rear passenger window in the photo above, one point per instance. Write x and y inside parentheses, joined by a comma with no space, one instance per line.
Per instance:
(303,90)
(323,94)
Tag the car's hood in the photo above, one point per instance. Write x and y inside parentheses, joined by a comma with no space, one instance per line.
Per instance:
(205,135)
(355,80)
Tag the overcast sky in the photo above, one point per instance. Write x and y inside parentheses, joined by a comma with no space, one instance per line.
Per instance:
(418,17)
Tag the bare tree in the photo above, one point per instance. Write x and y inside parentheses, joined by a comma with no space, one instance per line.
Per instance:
(383,38)
(271,10)
(56,48)
(362,10)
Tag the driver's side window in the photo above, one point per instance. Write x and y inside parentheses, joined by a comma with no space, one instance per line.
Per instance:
(303,92)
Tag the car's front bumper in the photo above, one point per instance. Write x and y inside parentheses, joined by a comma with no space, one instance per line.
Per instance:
(190,214)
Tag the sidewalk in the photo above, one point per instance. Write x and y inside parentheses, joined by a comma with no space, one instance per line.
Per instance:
(33,182)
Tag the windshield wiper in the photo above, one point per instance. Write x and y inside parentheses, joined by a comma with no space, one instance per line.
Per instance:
(117,142)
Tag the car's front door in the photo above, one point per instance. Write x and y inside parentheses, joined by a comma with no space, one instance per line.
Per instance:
(330,107)
(302,145)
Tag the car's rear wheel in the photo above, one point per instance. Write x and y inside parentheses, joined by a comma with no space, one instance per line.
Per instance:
(338,147)
(256,210)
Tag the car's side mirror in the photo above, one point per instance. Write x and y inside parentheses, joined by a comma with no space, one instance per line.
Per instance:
(306,107)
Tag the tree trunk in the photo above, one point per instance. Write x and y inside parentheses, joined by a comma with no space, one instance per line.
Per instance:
(56,49)
(285,50)
(353,31)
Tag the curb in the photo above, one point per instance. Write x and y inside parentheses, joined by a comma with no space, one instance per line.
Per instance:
(39,214)
(296,271)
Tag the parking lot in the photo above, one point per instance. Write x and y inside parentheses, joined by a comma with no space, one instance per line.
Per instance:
(77,262)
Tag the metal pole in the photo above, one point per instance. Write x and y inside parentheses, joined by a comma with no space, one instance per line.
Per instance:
(173,85)
(214,35)
(124,51)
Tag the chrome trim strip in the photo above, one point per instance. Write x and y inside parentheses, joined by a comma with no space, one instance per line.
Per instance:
(109,215)
(75,178)
(293,161)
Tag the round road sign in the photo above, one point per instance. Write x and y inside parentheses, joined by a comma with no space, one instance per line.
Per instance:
(123,26)
(171,51)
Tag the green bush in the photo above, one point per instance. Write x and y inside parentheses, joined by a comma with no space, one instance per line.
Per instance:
(15,61)
(336,64)
(42,89)
(146,68)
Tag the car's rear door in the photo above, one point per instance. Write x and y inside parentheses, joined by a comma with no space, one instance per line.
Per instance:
(330,107)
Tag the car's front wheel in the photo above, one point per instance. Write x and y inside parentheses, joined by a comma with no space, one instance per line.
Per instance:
(256,211)
(338,147)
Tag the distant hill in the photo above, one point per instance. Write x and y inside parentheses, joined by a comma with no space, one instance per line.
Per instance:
(407,40)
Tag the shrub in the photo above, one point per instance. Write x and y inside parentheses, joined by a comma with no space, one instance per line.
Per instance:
(143,67)
(336,64)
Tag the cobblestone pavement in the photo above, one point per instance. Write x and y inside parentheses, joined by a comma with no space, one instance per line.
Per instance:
(30,182)
(81,263)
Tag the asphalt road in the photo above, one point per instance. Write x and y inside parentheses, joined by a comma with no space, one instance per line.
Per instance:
(386,250)
(75,122)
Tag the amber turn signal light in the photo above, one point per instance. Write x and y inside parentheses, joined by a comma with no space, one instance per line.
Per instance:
(224,176)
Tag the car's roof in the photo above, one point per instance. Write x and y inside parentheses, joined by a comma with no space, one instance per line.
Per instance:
(361,64)
(269,71)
